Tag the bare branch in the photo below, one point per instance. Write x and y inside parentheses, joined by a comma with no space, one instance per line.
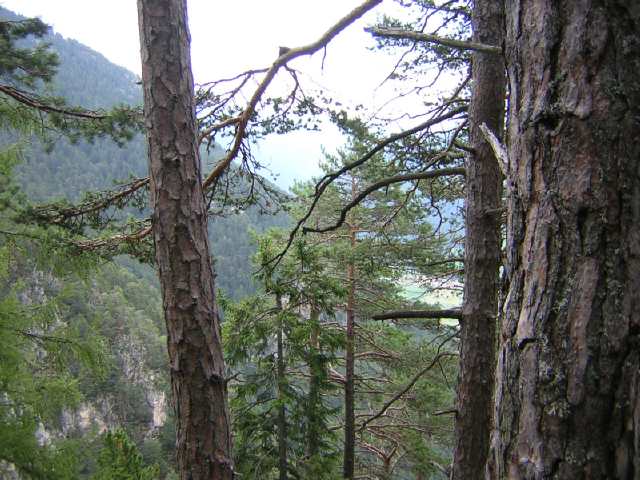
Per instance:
(383,183)
(283,59)
(325,181)
(425,37)
(435,314)
(407,387)
(498,148)
(445,261)
(450,411)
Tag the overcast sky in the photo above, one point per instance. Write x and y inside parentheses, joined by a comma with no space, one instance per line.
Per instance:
(231,36)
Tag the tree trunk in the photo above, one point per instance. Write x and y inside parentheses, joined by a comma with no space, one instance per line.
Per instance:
(317,374)
(282,411)
(482,251)
(182,251)
(568,377)
(349,390)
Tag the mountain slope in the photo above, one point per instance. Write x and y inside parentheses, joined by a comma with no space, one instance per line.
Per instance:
(87,78)
(117,305)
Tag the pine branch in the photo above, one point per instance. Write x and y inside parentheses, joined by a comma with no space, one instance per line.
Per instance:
(58,215)
(33,101)
(455,313)
(381,184)
(402,34)
(329,178)
(113,241)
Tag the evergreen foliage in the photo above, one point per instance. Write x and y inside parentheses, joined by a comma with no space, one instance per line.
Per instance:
(54,355)
(404,372)
(120,460)
(294,304)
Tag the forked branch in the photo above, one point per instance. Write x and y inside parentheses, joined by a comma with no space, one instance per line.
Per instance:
(442,172)
(329,178)
(286,56)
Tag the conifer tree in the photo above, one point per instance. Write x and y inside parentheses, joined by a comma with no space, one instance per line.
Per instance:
(280,347)
(375,244)
(39,350)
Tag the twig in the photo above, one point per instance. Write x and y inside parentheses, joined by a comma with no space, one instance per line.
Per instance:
(455,313)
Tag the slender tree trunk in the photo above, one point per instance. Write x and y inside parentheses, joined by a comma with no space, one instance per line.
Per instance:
(282,411)
(568,377)
(316,372)
(182,252)
(349,390)
(386,468)
(482,251)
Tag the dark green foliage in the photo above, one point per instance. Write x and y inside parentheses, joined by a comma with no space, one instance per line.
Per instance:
(121,460)
(69,332)
(308,298)
(25,65)
(38,351)
(118,305)
(389,243)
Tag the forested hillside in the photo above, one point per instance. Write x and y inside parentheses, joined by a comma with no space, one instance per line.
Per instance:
(115,307)
(61,169)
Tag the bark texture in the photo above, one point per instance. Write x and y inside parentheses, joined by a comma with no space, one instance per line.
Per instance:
(568,377)
(182,251)
(482,251)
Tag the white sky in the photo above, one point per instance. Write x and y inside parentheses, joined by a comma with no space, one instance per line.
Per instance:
(231,36)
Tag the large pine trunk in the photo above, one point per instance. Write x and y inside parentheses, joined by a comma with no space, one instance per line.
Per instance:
(182,252)
(568,378)
(482,251)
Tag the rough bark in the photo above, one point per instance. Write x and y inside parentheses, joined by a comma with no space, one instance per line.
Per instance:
(482,251)
(282,411)
(568,377)
(182,252)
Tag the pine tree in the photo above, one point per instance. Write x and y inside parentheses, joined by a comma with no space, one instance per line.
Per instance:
(179,226)
(375,244)
(281,350)
(567,376)
(120,459)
